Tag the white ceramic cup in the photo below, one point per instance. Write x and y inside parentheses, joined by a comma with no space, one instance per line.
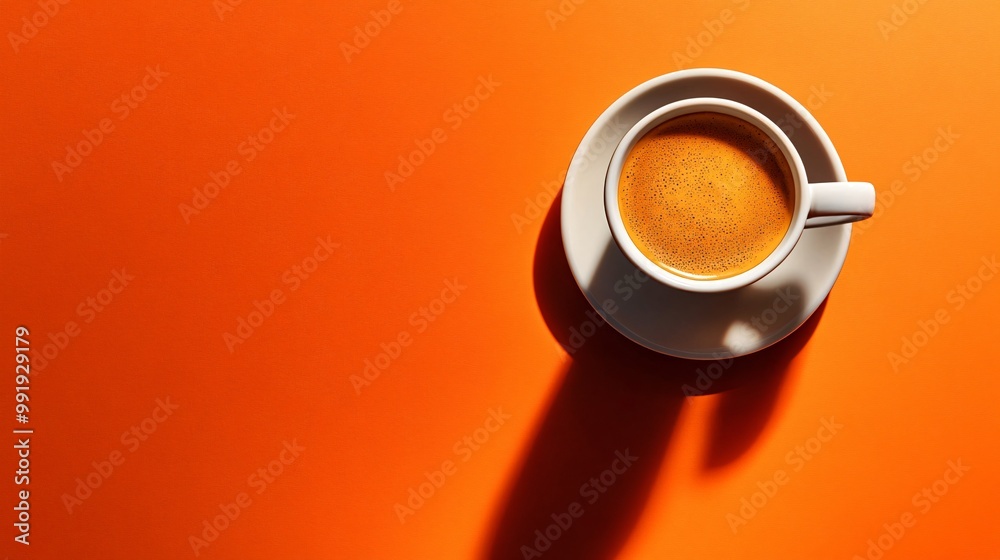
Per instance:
(815,204)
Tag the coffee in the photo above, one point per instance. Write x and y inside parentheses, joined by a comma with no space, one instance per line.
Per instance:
(706,195)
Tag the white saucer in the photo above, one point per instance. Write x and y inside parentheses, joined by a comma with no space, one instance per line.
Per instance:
(685,324)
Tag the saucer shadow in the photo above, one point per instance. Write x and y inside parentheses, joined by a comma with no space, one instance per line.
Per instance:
(617,399)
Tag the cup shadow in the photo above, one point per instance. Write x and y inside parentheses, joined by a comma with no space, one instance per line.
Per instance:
(577,494)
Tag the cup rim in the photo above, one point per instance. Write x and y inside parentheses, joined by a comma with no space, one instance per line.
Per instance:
(801,205)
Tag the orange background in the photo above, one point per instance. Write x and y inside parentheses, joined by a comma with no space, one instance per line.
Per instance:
(495,346)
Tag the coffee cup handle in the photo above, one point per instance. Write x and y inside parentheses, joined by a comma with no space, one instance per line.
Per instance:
(840,203)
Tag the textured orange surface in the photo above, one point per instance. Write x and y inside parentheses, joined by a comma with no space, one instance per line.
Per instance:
(219,279)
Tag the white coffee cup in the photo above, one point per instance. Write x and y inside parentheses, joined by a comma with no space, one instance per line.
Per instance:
(815,204)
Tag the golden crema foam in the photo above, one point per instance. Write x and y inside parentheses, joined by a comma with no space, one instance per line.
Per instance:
(706,195)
